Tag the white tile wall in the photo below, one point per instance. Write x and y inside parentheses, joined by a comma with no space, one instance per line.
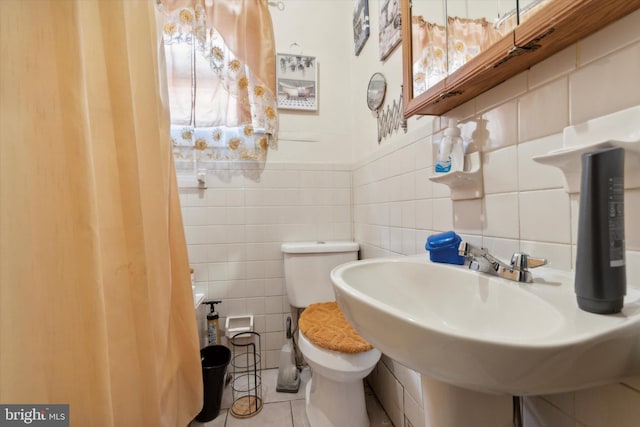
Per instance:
(502,126)
(540,413)
(442,214)
(533,175)
(613,37)
(545,216)
(501,216)
(467,216)
(544,110)
(496,165)
(389,391)
(235,227)
(559,64)
(612,91)
(508,90)
(525,206)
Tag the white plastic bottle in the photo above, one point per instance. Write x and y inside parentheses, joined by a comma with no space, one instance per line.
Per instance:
(450,155)
(457,150)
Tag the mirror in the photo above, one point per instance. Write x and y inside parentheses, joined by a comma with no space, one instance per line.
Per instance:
(429,44)
(376,91)
(446,34)
(454,50)
(474,25)
(527,8)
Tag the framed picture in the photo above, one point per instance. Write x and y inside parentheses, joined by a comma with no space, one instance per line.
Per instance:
(390,34)
(297,80)
(360,24)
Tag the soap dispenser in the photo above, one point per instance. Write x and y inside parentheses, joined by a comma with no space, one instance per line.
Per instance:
(600,281)
(213,326)
(450,157)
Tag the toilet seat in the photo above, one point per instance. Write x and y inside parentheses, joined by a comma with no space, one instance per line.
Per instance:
(325,325)
(342,367)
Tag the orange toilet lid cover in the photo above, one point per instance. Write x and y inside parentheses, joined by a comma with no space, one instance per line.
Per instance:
(324,325)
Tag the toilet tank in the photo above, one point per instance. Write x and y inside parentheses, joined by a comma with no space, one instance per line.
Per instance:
(307,268)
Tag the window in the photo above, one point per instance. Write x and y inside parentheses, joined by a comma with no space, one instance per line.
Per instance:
(221,79)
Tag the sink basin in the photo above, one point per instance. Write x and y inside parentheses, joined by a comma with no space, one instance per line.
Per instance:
(485,333)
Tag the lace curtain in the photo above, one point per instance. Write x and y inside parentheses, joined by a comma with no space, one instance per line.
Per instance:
(220,58)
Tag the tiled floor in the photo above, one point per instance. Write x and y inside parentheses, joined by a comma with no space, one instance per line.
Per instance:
(285,409)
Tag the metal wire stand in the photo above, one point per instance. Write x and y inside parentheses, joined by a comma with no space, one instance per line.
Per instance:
(247,384)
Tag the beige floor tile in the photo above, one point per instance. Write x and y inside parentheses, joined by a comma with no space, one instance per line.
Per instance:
(270,382)
(285,409)
(277,414)
(299,414)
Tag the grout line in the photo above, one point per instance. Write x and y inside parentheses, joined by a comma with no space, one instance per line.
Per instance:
(293,422)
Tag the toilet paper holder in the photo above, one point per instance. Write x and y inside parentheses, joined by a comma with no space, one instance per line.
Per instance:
(237,324)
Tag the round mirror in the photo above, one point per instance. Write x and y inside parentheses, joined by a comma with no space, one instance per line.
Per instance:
(375,92)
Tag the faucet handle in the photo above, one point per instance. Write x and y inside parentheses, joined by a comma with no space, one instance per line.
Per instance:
(468,250)
(522,261)
(464,249)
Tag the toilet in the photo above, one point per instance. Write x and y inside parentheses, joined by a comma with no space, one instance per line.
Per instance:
(335,394)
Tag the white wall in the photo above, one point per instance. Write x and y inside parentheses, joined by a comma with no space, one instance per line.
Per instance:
(330,178)
(321,29)
(363,121)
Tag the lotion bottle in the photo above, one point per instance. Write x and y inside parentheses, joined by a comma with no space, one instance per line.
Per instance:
(450,155)
(600,281)
(457,148)
(213,326)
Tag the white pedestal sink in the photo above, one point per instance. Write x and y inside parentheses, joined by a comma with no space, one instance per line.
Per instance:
(488,334)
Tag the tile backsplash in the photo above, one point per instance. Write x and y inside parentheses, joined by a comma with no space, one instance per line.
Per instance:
(235,227)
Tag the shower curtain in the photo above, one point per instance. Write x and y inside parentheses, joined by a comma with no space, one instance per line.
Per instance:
(96,309)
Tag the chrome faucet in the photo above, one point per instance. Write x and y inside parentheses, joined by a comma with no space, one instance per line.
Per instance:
(481,260)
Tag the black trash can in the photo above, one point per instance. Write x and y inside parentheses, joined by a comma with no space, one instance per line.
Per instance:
(215,359)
